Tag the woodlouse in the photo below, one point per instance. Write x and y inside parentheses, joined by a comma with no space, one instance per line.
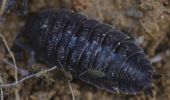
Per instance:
(89,50)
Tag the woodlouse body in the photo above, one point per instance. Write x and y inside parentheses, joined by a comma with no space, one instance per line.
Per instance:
(89,50)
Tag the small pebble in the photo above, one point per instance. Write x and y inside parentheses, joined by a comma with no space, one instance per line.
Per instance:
(131,12)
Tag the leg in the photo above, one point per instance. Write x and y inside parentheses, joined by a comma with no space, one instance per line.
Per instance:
(22,47)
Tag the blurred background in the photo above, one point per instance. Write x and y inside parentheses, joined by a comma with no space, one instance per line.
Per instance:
(147,21)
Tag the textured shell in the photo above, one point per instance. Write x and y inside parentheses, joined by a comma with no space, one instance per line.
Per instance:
(89,50)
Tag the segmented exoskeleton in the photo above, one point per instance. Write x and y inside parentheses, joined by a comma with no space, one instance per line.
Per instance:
(89,50)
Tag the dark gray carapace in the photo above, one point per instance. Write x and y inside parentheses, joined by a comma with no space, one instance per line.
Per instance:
(89,50)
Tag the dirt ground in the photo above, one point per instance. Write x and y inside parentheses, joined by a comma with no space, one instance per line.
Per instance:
(148,21)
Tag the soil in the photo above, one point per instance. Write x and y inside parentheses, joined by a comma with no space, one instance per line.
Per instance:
(147,21)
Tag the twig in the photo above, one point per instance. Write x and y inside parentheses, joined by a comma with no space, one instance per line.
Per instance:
(17,97)
(28,77)
(16,71)
(67,76)
(23,72)
(4,2)
(156,44)
(147,30)
(72,93)
(2,94)
(17,82)
(13,58)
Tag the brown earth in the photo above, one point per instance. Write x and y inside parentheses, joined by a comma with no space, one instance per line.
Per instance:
(148,21)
